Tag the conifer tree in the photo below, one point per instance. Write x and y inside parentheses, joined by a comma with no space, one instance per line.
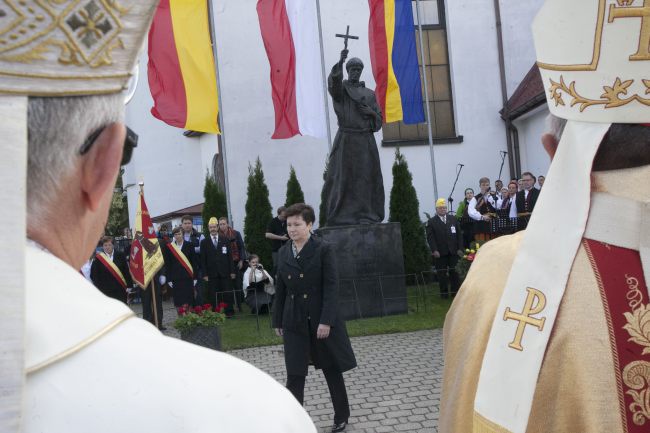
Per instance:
(405,209)
(215,202)
(294,191)
(118,216)
(258,215)
(322,218)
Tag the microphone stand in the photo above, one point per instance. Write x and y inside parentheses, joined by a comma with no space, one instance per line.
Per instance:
(503,159)
(450,199)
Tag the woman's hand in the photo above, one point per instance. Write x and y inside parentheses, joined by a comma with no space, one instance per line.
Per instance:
(278,332)
(323,331)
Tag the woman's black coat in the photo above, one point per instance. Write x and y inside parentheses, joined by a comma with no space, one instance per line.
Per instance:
(306,296)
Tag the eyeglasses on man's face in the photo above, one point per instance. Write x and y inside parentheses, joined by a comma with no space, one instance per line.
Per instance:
(130,142)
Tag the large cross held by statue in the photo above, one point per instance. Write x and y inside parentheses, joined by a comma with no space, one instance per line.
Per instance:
(346,36)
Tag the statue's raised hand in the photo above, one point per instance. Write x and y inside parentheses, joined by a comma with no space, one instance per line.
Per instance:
(344,55)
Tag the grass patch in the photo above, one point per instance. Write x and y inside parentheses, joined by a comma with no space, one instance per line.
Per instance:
(424,313)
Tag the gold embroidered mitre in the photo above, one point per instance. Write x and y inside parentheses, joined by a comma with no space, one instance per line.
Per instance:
(594,57)
(70,47)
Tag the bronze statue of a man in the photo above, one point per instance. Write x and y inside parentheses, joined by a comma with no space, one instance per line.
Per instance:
(354,186)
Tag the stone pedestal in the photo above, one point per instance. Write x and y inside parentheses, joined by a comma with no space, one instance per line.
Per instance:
(371,269)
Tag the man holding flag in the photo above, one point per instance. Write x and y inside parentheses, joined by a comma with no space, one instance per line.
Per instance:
(146,263)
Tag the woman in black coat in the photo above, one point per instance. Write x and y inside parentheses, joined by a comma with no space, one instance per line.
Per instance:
(306,313)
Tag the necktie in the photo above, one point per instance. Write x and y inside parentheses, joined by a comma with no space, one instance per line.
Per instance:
(505,203)
(214,240)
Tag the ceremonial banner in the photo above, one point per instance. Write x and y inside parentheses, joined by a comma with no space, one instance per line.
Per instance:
(146,258)
(181,68)
(182,258)
(291,39)
(112,268)
(393,53)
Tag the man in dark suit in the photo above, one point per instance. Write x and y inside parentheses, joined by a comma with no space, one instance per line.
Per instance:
(527,197)
(109,271)
(218,267)
(446,242)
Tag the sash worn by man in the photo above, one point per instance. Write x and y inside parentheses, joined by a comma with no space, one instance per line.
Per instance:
(109,271)
(77,361)
(561,344)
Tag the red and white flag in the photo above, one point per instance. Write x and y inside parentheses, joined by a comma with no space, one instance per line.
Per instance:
(291,39)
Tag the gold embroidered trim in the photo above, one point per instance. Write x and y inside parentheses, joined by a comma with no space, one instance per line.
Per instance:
(612,336)
(27,92)
(610,99)
(80,345)
(595,57)
(636,375)
(484,425)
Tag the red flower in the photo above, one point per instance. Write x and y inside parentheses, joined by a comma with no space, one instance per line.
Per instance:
(197,309)
(220,307)
(181,311)
(207,306)
(470,258)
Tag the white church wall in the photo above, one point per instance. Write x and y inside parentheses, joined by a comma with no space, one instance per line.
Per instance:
(518,47)
(531,127)
(176,182)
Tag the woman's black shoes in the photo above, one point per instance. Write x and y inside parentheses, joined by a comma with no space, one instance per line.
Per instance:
(338,427)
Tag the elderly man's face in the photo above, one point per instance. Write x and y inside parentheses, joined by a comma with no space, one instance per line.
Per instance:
(528,181)
(355,73)
(214,229)
(441,210)
(108,247)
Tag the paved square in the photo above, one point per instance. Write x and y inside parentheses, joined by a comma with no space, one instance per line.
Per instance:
(395,388)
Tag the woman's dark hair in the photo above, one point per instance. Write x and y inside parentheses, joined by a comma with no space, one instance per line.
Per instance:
(304,210)
(624,146)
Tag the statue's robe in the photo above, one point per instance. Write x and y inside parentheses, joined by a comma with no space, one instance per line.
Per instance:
(93,366)
(577,389)
(354,186)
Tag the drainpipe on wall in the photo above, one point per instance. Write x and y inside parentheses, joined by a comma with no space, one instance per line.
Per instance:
(512,158)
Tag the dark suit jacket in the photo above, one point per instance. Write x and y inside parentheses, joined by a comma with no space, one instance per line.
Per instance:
(175,271)
(521,202)
(106,282)
(307,295)
(441,236)
(216,262)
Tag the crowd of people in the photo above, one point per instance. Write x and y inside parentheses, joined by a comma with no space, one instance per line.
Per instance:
(483,216)
(216,269)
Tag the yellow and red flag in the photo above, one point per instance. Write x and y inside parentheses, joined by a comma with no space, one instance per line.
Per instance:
(181,68)
(146,257)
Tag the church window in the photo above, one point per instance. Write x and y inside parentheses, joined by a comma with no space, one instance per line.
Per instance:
(436,62)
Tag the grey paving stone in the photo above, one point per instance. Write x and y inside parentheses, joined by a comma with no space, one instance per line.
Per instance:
(395,388)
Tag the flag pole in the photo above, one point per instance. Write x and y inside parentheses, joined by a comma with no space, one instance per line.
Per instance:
(324,77)
(154,302)
(220,116)
(426,99)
